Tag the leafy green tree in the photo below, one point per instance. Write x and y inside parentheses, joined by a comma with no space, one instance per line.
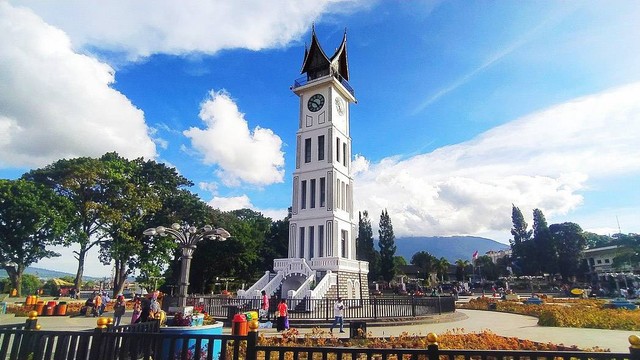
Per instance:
(276,244)
(425,261)
(139,194)
(387,245)
(442,268)
(545,248)
(365,249)
(81,181)
(32,218)
(237,257)
(520,242)
(570,242)
(595,240)
(486,268)
(461,269)
(628,256)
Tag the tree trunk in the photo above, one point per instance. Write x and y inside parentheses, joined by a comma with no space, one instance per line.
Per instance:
(82,253)
(15,277)
(119,278)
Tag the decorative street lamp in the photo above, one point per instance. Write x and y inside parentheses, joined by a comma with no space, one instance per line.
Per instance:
(187,238)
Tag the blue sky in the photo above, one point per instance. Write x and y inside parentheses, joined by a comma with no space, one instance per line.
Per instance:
(464,107)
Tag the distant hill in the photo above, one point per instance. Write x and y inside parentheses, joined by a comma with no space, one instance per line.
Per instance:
(46,274)
(451,248)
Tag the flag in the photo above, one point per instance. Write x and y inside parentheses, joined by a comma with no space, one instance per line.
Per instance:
(475,255)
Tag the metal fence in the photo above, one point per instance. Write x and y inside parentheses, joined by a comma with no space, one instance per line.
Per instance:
(322,309)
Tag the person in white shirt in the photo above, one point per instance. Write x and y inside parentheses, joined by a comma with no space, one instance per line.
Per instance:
(338,313)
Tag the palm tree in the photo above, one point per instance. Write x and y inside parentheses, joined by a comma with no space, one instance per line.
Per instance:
(461,266)
(442,267)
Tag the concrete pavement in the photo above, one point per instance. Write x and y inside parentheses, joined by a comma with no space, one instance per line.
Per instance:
(523,327)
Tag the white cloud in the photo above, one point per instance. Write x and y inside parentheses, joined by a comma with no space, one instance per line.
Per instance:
(253,157)
(544,160)
(141,28)
(55,103)
(211,187)
(243,202)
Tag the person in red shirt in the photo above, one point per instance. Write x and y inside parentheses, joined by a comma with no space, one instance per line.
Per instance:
(283,321)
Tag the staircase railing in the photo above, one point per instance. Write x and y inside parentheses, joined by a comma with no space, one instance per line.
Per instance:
(272,286)
(254,290)
(297,295)
(323,286)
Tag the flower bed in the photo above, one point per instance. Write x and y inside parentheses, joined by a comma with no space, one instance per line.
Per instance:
(485,340)
(576,313)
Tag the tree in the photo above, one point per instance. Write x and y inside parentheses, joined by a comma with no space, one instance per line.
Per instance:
(32,218)
(81,181)
(137,195)
(461,269)
(595,240)
(276,244)
(486,268)
(545,249)
(386,243)
(442,268)
(365,250)
(425,261)
(570,242)
(520,241)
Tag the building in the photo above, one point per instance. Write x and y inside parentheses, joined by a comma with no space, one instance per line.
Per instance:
(495,255)
(322,248)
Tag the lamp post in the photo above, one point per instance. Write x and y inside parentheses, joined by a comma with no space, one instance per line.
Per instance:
(187,238)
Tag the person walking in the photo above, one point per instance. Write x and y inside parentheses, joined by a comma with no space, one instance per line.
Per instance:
(283,321)
(118,310)
(264,306)
(338,313)
(137,309)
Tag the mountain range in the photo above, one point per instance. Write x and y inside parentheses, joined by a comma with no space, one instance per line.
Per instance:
(46,274)
(451,248)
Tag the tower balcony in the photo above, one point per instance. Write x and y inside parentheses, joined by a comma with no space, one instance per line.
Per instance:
(304,80)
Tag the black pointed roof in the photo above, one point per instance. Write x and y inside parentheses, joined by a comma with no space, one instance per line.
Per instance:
(316,62)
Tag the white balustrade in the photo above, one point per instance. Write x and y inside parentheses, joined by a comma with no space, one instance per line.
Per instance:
(254,290)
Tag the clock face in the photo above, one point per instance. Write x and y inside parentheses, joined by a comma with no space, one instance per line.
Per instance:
(339,105)
(316,102)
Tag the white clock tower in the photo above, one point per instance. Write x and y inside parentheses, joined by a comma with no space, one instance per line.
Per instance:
(322,247)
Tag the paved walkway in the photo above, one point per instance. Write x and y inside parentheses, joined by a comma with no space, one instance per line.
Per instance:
(523,327)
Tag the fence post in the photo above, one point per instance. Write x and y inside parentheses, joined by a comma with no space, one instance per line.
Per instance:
(96,350)
(375,307)
(32,321)
(252,341)
(432,346)
(326,309)
(634,349)
(413,306)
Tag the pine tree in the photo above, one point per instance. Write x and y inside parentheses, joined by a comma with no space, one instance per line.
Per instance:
(519,244)
(387,245)
(544,247)
(364,244)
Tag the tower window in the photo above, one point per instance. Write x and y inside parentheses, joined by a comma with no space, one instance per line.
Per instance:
(312,202)
(307,150)
(344,154)
(322,192)
(320,240)
(343,243)
(311,242)
(303,194)
(302,241)
(320,147)
(338,150)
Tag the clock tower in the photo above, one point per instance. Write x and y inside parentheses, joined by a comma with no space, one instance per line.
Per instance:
(321,260)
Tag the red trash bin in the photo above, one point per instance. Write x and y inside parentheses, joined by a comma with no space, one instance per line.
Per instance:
(239,325)
(51,306)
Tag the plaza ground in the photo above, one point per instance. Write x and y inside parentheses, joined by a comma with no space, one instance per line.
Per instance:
(520,326)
